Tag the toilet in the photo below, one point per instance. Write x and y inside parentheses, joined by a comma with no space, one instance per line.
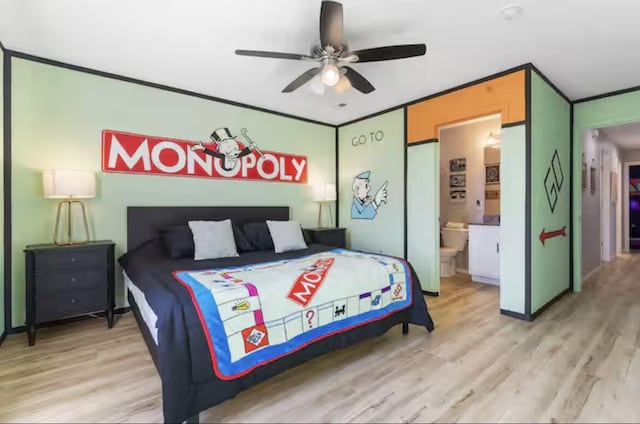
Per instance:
(454,239)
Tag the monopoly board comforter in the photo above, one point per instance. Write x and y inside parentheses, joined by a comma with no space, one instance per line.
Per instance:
(226,324)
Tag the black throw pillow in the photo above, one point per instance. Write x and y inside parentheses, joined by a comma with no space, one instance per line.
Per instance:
(177,241)
(242,243)
(307,237)
(258,235)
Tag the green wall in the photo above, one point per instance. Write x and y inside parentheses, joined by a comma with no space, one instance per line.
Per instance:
(513,165)
(58,116)
(359,151)
(423,211)
(550,133)
(613,110)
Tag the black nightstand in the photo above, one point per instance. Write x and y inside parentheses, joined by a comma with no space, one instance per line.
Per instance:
(336,237)
(67,281)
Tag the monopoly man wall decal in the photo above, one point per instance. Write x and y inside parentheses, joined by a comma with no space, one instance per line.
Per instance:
(365,206)
(224,157)
(227,147)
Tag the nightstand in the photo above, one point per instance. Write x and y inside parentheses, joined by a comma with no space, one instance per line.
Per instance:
(67,281)
(336,237)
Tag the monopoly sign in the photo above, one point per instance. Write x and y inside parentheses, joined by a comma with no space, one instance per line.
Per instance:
(223,157)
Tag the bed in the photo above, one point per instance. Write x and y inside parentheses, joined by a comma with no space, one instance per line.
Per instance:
(184,346)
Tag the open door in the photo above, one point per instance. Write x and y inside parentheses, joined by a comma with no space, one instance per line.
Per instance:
(423,210)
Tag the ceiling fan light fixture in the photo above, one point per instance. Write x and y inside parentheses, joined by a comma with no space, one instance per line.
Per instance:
(330,74)
(333,56)
(343,85)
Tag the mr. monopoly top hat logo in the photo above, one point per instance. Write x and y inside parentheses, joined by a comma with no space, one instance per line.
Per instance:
(221,134)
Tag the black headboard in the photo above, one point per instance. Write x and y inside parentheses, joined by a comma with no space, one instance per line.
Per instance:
(143,222)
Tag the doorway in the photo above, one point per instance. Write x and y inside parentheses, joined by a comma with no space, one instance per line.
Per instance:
(469,203)
(610,195)
(633,207)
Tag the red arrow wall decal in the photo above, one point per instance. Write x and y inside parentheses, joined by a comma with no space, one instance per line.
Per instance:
(551,234)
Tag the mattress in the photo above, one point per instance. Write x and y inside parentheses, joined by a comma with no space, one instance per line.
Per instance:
(149,317)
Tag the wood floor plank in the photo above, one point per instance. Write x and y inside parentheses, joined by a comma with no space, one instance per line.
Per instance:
(579,362)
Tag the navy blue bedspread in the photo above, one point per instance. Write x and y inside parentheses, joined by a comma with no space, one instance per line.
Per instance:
(189,384)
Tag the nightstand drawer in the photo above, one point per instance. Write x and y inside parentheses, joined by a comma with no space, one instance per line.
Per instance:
(70,303)
(47,261)
(70,280)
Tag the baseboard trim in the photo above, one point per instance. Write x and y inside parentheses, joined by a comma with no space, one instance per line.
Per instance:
(432,294)
(546,306)
(23,328)
(462,271)
(485,280)
(516,315)
(591,273)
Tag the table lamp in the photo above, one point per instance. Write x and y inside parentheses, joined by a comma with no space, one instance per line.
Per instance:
(69,186)
(324,193)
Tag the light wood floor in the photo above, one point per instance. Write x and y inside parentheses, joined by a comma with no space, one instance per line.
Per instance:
(580,361)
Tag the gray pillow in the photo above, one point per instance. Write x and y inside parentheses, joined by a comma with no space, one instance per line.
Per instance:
(213,239)
(286,235)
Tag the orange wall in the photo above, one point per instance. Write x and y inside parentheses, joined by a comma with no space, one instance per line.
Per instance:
(504,95)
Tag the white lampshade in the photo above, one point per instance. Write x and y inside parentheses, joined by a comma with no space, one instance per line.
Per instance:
(58,184)
(330,192)
(324,192)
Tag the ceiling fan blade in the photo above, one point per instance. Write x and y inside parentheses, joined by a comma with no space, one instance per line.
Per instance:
(301,80)
(274,55)
(331,24)
(357,81)
(390,52)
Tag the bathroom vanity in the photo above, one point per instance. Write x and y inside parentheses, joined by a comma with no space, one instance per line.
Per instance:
(484,253)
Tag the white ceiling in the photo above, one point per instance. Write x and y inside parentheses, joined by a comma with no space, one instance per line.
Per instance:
(626,136)
(584,47)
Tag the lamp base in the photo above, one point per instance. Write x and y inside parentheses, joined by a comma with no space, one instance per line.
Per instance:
(69,241)
(320,216)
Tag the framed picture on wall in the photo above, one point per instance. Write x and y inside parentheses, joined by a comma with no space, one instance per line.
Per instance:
(492,173)
(457,180)
(458,165)
(458,196)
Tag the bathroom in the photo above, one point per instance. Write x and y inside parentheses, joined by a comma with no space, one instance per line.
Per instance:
(470,200)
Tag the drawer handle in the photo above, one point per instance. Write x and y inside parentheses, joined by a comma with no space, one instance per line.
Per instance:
(73,301)
(73,279)
(73,259)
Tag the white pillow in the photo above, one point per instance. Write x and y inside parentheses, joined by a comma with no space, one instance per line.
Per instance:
(286,235)
(213,239)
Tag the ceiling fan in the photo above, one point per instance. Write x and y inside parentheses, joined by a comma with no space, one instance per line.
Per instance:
(333,54)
